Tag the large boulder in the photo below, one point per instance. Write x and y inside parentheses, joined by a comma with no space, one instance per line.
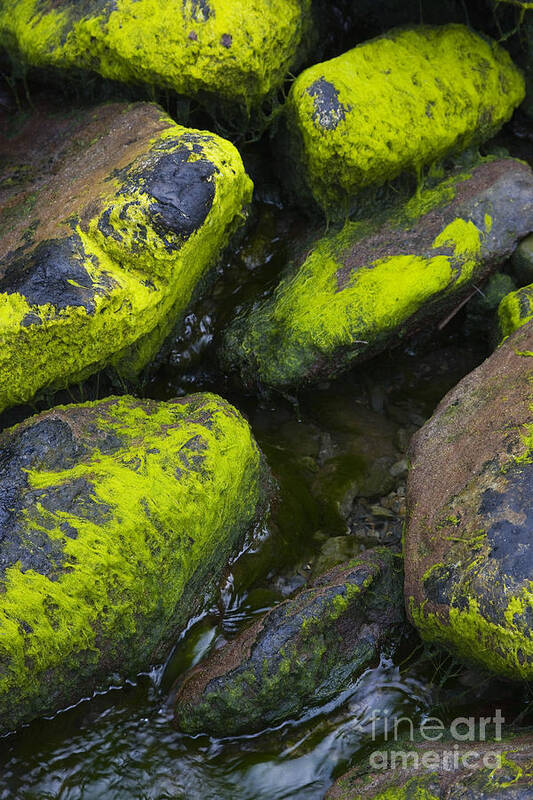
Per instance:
(110,219)
(116,518)
(356,292)
(231,51)
(395,103)
(443,770)
(301,653)
(468,547)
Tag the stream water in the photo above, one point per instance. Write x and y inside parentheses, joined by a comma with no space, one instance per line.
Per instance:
(338,453)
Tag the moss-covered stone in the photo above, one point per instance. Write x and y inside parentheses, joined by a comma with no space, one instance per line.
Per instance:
(515,310)
(116,518)
(231,50)
(111,218)
(355,292)
(433,770)
(301,653)
(395,103)
(468,553)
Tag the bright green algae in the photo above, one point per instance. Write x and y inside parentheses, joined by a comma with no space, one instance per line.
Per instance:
(234,50)
(358,290)
(143,515)
(141,266)
(398,102)
(515,310)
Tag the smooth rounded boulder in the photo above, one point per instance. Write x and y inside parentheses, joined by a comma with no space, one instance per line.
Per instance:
(395,103)
(300,654)
(230,54)
(467,544)
(349,295)
(116,518)
(110,219)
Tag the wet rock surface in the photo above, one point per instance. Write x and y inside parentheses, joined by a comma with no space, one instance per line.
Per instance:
(355,292)
(467,542)
(97,570)
(488,770)
(301,653)
(111,217)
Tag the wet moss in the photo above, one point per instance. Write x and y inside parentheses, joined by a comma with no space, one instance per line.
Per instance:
(145,514)
(233,51)
(396,103)
(356,291)
(515,310)
(135,255)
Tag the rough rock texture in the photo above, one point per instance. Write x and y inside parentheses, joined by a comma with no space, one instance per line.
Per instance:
(394,103)
(116,517)
(228,50)
(109,219)
(500,770)
(468,553)
(356,292)
(301,653)
(515,310)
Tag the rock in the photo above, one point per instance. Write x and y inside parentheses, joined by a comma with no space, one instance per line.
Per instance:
(116,518)
(468,553)
(481,309)
(356,292)
(110,219)
(227,52)
(522,261)
(301,653)
(486,770)
(515,310)
(395,103)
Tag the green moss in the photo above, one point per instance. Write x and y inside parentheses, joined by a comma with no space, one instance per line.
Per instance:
(237,51)
(396,103)
(503,648)
(174,499)
(322,316)
(515,310)
(143,279)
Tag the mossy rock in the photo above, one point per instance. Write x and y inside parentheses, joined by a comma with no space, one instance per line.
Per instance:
(232,53)
(515,310)
(468,549)
(111,218)
(395,103)
(443,770)
(116,518)
(301,653)
(354,293)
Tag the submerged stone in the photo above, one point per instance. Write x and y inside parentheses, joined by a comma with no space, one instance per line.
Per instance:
(301,653)
(230,51)
(490,769)
(116,518)
(515,310)
(395,103)
(468,549)
(354,293)
(110,219)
